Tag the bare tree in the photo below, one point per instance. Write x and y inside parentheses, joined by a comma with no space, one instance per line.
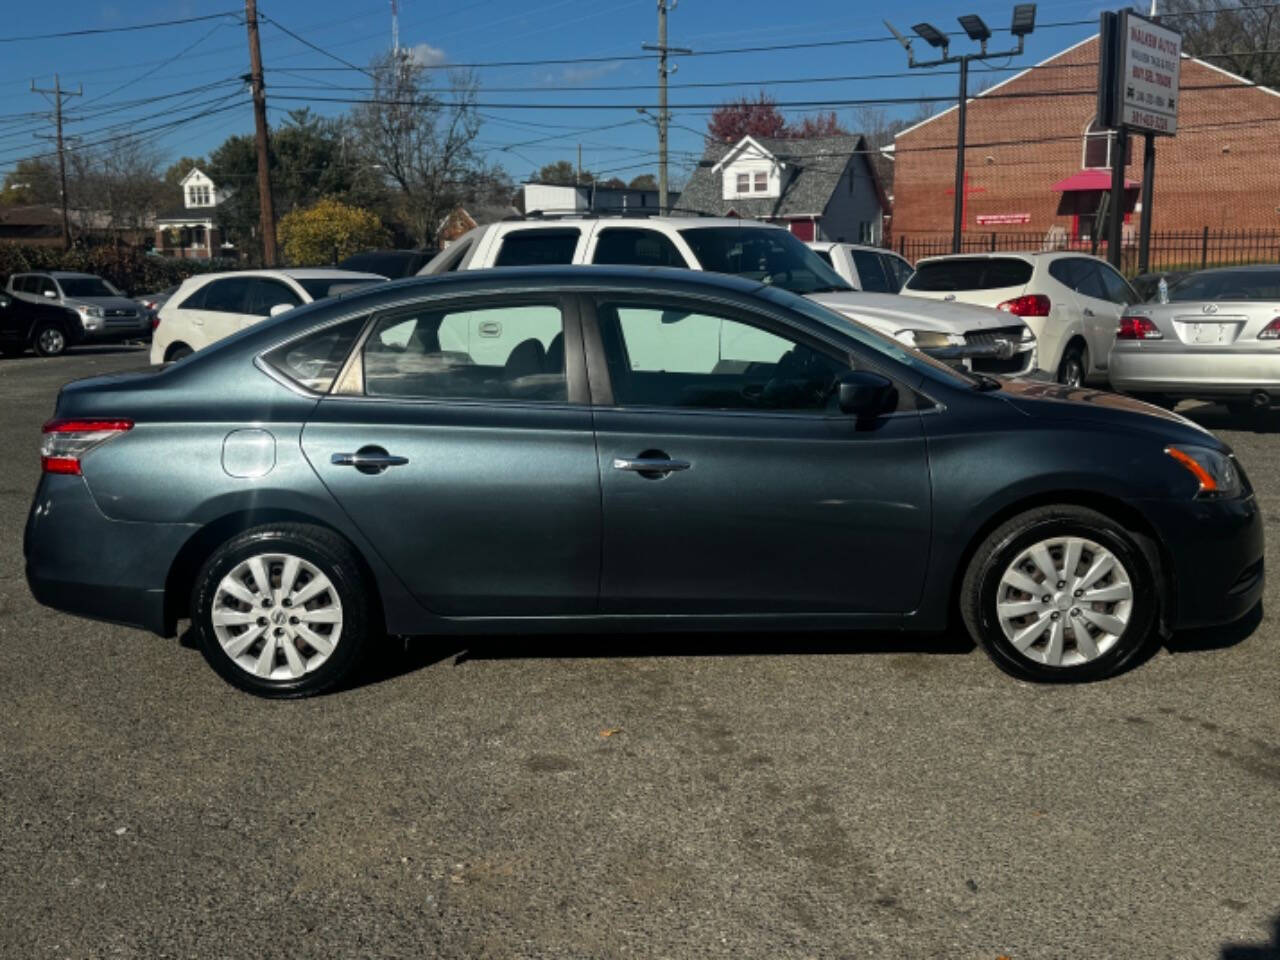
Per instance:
(1237,35)
(116,186)
(422,143)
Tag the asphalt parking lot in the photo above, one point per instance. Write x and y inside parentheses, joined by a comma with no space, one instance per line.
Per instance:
(603,797)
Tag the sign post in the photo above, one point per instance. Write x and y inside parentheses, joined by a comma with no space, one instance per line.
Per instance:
(1138,68)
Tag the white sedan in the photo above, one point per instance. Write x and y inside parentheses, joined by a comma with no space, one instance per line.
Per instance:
(211,306)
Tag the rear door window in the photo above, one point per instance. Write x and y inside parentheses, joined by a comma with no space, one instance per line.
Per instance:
(646,248)
(228,295)
(1118,289)
(970,273)
(1089,282)
(871,275)
(897,269)
(538,248)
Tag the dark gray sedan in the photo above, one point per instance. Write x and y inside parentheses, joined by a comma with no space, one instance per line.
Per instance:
(617,448)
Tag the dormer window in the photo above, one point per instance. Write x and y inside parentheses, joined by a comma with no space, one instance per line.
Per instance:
(762,182)
(199,195)
(744,183)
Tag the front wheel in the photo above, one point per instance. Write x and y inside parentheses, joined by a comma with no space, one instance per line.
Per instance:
(282,610)
(1061,594)
(1074,367)
(50,339)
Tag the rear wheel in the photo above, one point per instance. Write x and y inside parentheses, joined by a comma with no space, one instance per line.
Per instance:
(177,352)
(1061,594)
(50,340)
(282,610)
(1074,366)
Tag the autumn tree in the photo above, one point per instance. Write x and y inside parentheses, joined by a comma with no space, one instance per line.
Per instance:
(732,121)
(31,181)
(329,231)
(817,125)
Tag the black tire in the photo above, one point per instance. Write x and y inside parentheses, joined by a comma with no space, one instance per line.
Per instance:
(49,339)
(1074,359)
(177,352)
(329,554)
(1161,400)
(979,590)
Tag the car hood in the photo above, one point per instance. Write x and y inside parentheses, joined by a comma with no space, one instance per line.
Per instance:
(106,303)
(1053,401)
(891,313)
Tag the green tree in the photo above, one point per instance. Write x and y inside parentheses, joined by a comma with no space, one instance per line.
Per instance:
(646,181)
(31,181)
(329,231)
(562,171)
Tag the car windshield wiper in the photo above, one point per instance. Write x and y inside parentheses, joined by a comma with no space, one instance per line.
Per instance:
(984,382)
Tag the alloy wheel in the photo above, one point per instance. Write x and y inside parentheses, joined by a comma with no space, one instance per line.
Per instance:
(1064,601)
(51,341)
(277,616)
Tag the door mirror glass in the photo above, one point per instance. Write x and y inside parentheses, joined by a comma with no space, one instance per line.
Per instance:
(51,294)
(280,308)
(864,393)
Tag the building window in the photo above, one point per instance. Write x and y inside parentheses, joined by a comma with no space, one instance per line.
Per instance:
(744,183)
(1097,147)
(762,182)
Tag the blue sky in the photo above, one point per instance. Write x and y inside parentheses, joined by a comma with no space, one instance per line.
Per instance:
(119,69)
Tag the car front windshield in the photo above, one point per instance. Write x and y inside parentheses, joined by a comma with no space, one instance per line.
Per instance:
(1228,285)
(873,340)
(84,287)
(770,255)
(320,287)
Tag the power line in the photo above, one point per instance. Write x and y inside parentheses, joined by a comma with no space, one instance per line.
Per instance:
(126,29)
(307,43)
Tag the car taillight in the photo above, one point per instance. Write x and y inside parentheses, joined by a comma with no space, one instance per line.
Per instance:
(155,321)
(1138,328)
(1271,331)
(1029,305)
(65,441)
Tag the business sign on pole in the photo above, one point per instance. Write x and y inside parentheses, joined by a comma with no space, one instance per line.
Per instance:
(1148,57)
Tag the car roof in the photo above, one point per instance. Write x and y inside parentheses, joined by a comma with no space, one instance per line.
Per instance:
(1029,256)
(294,273)
(637,221)
(72,275)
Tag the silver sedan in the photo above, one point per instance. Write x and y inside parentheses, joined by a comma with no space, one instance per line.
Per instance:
(1217,338)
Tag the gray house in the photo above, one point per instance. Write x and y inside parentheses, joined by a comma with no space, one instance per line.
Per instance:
(823,188)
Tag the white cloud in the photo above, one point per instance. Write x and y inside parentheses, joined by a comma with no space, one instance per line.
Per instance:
(425,55)
(579,76)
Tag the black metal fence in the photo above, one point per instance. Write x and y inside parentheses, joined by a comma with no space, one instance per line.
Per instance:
(1170,250)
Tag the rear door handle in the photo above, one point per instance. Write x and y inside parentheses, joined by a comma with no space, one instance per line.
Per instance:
(654,465)
(368,460)
(1088,312)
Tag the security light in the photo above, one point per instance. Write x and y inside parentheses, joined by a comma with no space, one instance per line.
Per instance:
(974,27)
(1024,19)
(930,34)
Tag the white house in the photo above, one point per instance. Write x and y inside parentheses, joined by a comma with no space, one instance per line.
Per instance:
(190,231)
(821,188)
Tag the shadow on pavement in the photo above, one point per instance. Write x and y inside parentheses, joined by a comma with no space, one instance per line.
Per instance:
(1255,951)
(1214,416)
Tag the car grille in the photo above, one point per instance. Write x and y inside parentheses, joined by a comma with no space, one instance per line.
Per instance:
(1014,364)
(121,312)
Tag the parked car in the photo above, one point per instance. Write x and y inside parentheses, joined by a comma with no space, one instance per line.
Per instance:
(1218,338)
(983,340)
(617,448)
(46,328)
(1147,285)
(393,264)
(872,269)
(211,306)
(152,302)
(1071,301)
(106,315)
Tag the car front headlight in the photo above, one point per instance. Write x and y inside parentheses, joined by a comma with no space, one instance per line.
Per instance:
(90,311)
(1215,472)
(928,339)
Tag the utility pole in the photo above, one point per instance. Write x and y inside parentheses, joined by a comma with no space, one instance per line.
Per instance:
(266,215)
(58,93)
(664,116)
(1022,24)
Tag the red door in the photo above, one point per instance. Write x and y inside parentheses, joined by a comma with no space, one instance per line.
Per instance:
(803,229)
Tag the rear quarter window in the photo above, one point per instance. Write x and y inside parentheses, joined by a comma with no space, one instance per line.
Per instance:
(314,360)
(537,248)
(970,273)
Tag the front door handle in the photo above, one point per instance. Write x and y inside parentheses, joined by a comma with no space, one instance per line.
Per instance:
(368,460)
(652,464)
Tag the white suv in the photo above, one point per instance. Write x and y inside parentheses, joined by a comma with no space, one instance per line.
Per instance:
(211,306)
(872,269)
(1072,301)
(981,339)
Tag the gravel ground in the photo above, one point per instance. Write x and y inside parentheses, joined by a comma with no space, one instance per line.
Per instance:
(612,797)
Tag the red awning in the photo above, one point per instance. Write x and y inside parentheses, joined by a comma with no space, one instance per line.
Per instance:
(1090,180)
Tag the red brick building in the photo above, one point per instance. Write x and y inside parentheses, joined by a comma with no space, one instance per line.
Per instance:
(1033,167)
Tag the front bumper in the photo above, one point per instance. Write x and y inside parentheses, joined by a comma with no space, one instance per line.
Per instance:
(112,332)
(1156,367)
(81,562)
(1215,551)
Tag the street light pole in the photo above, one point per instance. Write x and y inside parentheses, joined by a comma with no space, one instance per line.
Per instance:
(1024,22)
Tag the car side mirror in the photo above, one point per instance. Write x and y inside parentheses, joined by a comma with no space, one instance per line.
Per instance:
(4,301)
(50,294)
(280,308)
(862,393)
